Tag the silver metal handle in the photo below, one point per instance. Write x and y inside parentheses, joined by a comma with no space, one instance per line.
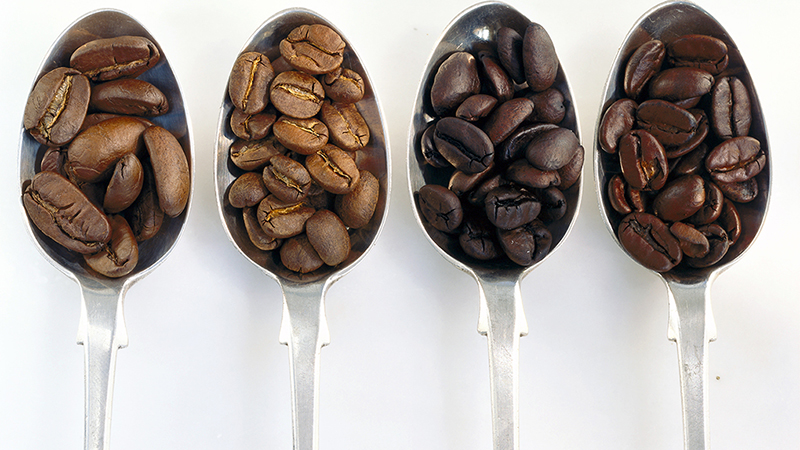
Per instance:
(304,328)
(502,321)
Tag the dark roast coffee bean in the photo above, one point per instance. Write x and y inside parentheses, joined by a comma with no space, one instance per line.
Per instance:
(552,149)
(256,234)
(57,106)
(645,62)
(478,195)
(554,205)
(440,207)
(455,80)
(476,107)
(548,106)
(695,140)
(253,126)
(247,190)
(522,172)
(314,49)
(497,81)
(730,221)
(712,206)
(343,85)
(680,198)
(618,119)
(515,145)
(690,163)
(701,51)
(730,108)
(286,179)
(297,94)
(281,220)
(117,57)
(637,199)
(333,169)
(125,184)
(62,212)
(509,207)
(129,96)
(736,160)
(670,124)
(680,84)
(249,83)
(170,169)
(145,216)
(539,58)
(694,244)
(718,246)
(298,255)
(648,240)
(506,118)
(509,52)
(616,195)
(527,244)
(742,192)
(463,144)
(305,136)
(461,183)
(93,153)
(643,161)
(328,235)
(429,150)
(254,155)
(347,129)
(477,239)
(120,255)
(357,206)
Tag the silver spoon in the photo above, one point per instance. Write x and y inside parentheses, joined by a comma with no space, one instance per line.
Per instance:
(501,315)
(304,326)
(102,326)
(691,323)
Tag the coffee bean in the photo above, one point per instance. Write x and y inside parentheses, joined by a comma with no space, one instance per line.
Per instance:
(509,52)
(93,153)
(477,196)
(670,124)
(357,207)
(680,199)
(463,144)
(125,184)
(253,126)
(346,127)
(616,195)
(53,160)
(249,83)
(554,205)
(343,85)
(741,192)
(455,80)
(548,106)
(691,163)
(281,220)
(297,94)
(522,172)
(552,149)
(712,206)
(497,81)
(694,244)
(254,155)
(248,190)
(718,246)
(696,138)
(257,236)
(527,244)
(328,235)
(730,108)
(643,161)
(515,145)
(304,136)
(428,148)
(506,118)
(645,62)
(129,96)
(116,57)
(618,119)
(145,216)
(509,207)
(333,169)
(57,106)
(730,221)
(539,58)
(736,160)
(440,207)
(297,254)
(461,183)
(701,51)
(315,49)
(287,179)
(681,84)
(648,240)
(477,239)
(120,255)
(170,169)
(476,107)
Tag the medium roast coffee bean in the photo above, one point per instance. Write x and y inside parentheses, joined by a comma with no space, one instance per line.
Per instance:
(297,254)
(257,236)
(643,161)
(314,49)
(120,255)
(509,52)
(515,145)
(125,184)
(170,169)
(440,207)
(328,235)
(297,94)
(527,244)
(463,144)
(506,118)
(477,239)
(304,136)
(248,85)
(736,160)
(254,155)
(129,96)
(57,106)
(694,244)
(478,195)
(539,58)
(455,80)
(645,62)
(548,106)
(248,190)
(509,207)
(429,150)
(286,179)
(53,161)
(680,198)
(357,206)
(476,107)
(730,108)
(497,81)
(333,169)
(618,119)
(346,127)
(343,85)
(117,57)
(648,240)
(93,153)
(281,220)
(701,51)
(145,216)
(253,126)
(552,149)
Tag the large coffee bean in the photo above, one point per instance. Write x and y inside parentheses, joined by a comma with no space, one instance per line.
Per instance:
(539,58)
(170,169)
(117,57)
(730,108)
(742,192)
(618,119)
(552,149)
(455,80)
(680,199)
(643,161)
(254,155)
(129,96)
(297,94)
(343,85)
(346,127)
(281,220)
(120,255)
(57,106)
(476,107)
(648,240)
(314,49)
(527,244)
(248,190)
(286,179)
(645,62)
(440,207)
(333,169)
(736,160)
(248,85)
(328,235)
(93,153)
(463,144)
(681,84)
(357,206)
(509,207)
(304,136)
(701,51)
(125,184)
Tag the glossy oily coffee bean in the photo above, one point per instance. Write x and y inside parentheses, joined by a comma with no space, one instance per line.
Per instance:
(730,221)
(694,244)
(281,220)
(718,244)
(539,58)
(741,192)
(506,118)
(509,52)
(440,207)
(645,62)
(328,235)
(428,148)
(618,119)
(117,57)
(257,236)
(298,255)
(456,79)
(97,117)
(343,85)
(93,153)
(357,207)
(129,96)
(248,190)
(616,195)
(249,82)
(304,136)
(125,184)
(254,155)
(522,172)
(57,106)
(681,83)
(730,108)
(286,179)
(670,124)
(648,240)
(253,126)
(515,145)
(478,195)
(690,163)
(314,49)
(552,149)
(120,255)
(736,160)
(701,51)
(478,240)
(476,107)
(170,169)
(463,144)
(527,244)
(347,129)
(696,138)
(496,81)
(643,161)
(297,94)
(548,106)
(712,206)
(571,172)
(145,216)
(509,207)
(62,212)
(680,199)
(333,169)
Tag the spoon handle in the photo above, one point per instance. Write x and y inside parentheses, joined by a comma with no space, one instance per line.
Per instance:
(304,329)
(102,332)
(502,321)
(691,326)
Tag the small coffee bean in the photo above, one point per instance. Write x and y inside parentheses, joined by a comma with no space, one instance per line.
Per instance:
(680,198)
(548,106)
(357,207)
(509,52)
(730,108)
(691,163)
(53,160)
(253,126)
(476,107)
(281,220)
(694,244)
(736,160)
(125,184)
(333,169)
(254,155)
(328,235)
(298,255)
(552,149)
(248,190)
(249,83)
(120,255)
(304,136)
(522,172)
(648,240)
(718,246)
(314,49)
(478,195)
(554,205)
(93,153)
(618,119)
(170,169)
(539,58)
(509,207)
(506,118)
(343,85)
(440,207)
(117,57)
(255,233)
(428,148)
(297,94)
(461,183)
(129,96)
(145,216)
(455,80)
(616,195)
(643,161)
(645,62)
(527,244)
(497,82)
(346,127)
(57,106)
(712,206)
(730,221)
(286,179)
(741,192)
(477,239)
(463,144)
(701,51)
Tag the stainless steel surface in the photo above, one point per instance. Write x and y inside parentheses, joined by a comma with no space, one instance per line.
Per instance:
(102,326)
(501,314)
(304,327)
(691,323)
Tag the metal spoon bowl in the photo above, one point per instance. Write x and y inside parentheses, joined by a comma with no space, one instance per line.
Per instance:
(501,315)
(102,328)
(691,324)
(304,326)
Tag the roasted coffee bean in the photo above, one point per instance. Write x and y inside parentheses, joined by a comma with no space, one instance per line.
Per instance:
(347,129)
(280,65)
(253,126)
(53,160)
(57,106)
(117,57)
(249,83)
(730,221)
(643,161)
(554,205)
(670,124)
(93,153)
(254,155)
(319,198)
(429,150)
(461,183)
(281,220)
(694,244)
(129,96)
(255,233)
(522,172)
(120,255)
(304,136)
(736,160)
(440,207)
(62,212)
(509,52)
(286,179)
(248,190)
(617,197)
(476,107)
(343,85)
(741,192)
(730,108)
(95,118)
(125,184)
(298,255)
(477,239)
(506,118)
(497,81)
(648,240)
(718,246)
(170,169)
(618,119)
(552,149)
(357,207)
(701,51)
(539,58)
(455,80)
(509,207)
(645,62)
(680,198)
(463,144)
(637,199)
(328,235)
(681,84)
(478,195)
(297,94)
(314,49)
(515,145)
(145,216)
(527,244)
(695,140)
(712,206)
(548,106)
(690,163)
(333,169)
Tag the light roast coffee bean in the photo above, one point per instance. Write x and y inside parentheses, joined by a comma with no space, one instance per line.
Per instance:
(297,94)
(333,169)
(286,179)
(314,49)
(248,190)
(125,184)
(304,136)
(328,235)
(248,85)
(357,207)
(347,129)
(93,153)
(343,85)
(254,155)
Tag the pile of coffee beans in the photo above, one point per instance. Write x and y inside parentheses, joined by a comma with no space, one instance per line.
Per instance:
(108,175)
(495,137)
(679,149)
(300,137)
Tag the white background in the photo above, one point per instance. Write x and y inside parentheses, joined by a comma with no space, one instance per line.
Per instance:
(406,368)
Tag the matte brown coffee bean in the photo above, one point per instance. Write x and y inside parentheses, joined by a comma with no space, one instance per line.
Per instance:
(552,149)
(120,255)
(670,124)
(95,118)
(742,192)
(53,160)
(464,145)
(347,129)
(497,81)
(429,151)
(357,207)
(478,195)
(247,190)
(617,195)
(286,179)
(509,207)
(455,80)
(297,94)
(645,62)
(476,107)
(527,244)
(643,161)
(522,172)
(712,206)
(681,83)
(283,220)
(730,108)
(730,221)
(62,212)
(170,169)
(539,58)
(145,216)
(93,153)
(57,106)
(125,184)
(314,49)
(461,183)
(257,236)
(328,235)
(548,106)
(718,246)
(129,96)
(554,205)
(648,240)
(298,255)
(506,118)
(680,198)
(701,51)
(343,85)
(319,198)
(117,57)
(249,82)
(618,119)
(509,52)
(736,160)
(477,239)
(440,207)
(304,136)
(254,155)
(253,126)
(333,169)
(515,145)
(694,244)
